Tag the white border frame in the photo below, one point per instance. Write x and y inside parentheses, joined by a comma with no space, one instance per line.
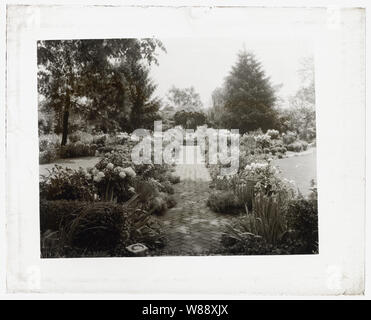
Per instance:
(338,269)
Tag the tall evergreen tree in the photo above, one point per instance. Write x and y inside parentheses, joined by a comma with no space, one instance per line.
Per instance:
(140,88)
(249,96)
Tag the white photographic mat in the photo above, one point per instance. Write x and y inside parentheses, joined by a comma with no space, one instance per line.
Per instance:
(337,38)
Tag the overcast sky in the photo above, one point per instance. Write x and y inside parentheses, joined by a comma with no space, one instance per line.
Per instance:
(205,62)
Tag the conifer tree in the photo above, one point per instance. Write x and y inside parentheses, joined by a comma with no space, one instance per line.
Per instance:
(249,96)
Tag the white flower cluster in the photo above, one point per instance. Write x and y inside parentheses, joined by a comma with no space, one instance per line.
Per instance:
(130,172)
(289,182)
(97,175)
(262,138)
(273,133)
(256,167)
(122,172)
(123,135)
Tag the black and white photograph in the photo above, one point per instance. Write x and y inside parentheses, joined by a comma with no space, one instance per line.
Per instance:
(185,146)
(182,149)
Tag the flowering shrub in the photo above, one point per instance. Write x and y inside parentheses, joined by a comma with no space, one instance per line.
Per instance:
(100,140)
(289,137)
(273,134)
(310,134)
(113,205)
(248,142)
(254,178)
(118,157)
(113,181)
(247,158)
(117,179)
(153,196)
(48,148)
(263,141)
(67,184)
(268,180)
(298,146)
(283,150)
(160,204)
(218,182)
(48,156)
(48,141)
(167,187)
(261,146)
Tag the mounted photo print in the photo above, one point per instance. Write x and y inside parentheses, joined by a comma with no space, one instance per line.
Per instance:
(136,163)
(219,151)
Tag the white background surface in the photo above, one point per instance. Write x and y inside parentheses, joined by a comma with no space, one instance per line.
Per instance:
(340,169)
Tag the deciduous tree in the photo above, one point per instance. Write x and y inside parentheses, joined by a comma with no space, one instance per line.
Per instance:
(81,76)
(186,99)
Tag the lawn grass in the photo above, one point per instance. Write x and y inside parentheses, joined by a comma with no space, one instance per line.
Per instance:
(300,168)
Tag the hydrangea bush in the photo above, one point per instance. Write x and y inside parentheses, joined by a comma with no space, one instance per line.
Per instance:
(263,141)
(113,182)
(67,184)
(267,177)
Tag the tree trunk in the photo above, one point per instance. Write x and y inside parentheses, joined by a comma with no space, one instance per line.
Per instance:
(66,115)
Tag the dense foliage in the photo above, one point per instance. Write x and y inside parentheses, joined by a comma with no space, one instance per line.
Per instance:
(247,98)
(186,99)
(291,230)
(92,92)
(104,81)
(73,228)
(96,203)
(189,119)
(270,217)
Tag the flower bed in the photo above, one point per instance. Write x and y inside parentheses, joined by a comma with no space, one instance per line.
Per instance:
(270,216)
(80,144)
(79,199)
(274,228)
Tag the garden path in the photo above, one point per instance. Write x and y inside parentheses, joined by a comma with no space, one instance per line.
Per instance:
(191,227)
